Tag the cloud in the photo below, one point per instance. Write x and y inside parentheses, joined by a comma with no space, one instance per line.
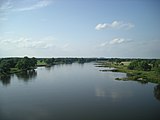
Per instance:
(101,26)
(114,25)
(37,5)
(7,6)
(27,5)
(114,42)
(117,41)
(24,42)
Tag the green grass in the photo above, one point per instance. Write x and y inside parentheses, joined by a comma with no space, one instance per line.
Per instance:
(41,63)
(147,76)
(15,70)
(126,63)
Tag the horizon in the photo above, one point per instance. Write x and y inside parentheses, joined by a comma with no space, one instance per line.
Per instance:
(78,57)
(88,29)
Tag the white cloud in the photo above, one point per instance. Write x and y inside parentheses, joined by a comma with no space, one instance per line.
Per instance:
(114,25)
(101,26)
(24,42)
(37,5)
(117,41)
(114,41)
(7,6)
(31,5)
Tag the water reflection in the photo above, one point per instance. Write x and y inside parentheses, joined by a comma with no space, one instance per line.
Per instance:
(157,92)
(48,68)
(81,64)
(100,92)
(5,80)
(27,75)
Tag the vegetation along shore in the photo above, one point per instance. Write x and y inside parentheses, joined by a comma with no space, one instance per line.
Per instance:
(142,70)
(16,65)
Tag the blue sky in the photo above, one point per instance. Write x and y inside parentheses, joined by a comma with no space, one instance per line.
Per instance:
(80,28)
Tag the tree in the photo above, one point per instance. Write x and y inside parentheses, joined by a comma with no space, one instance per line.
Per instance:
(157,67)
(145,66)
(139,65)
(48,61)
(4,67)
(133,65)
(118,61)
(26,63)
(20,64)
(81,60)
(33,61)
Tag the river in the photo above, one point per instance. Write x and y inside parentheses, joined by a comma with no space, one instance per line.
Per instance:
(76,92)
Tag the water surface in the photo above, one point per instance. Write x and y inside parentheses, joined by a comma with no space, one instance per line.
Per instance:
(76,92)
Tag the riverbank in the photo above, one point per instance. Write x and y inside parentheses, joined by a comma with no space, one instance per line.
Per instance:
(13,71)
(136,75)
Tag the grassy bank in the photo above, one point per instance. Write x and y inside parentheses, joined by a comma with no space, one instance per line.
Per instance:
(41,63)
(137,75)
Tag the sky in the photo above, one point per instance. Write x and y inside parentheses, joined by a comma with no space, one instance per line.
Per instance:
(80,28)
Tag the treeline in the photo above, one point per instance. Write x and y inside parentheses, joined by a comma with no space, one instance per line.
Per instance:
(139,64)
(12,65)
(118,60)
(145,65)
(6,64)
(54,61)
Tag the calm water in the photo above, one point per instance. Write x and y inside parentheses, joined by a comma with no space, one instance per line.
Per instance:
(76,92)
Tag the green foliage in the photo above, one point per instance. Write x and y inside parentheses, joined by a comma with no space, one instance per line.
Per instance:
(156,67)
(140,70)
(41,63)
(4,67)
(144,66)
(53,61)
(33,61)
(49,61)
(157,70)
(139,65)
(26,63)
